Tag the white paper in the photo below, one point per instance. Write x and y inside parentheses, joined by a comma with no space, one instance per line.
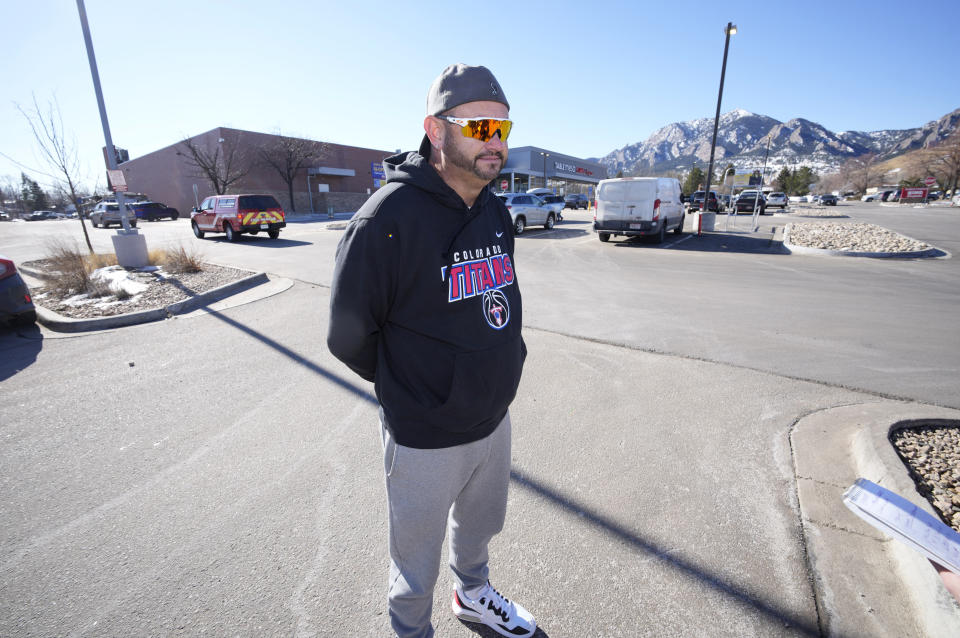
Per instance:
(899,518)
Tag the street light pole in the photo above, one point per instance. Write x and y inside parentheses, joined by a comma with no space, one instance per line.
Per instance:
(545,156)
(763,172)
(729,30)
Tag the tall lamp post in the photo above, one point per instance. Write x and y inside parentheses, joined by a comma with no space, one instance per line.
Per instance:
(729,30)
(545,156)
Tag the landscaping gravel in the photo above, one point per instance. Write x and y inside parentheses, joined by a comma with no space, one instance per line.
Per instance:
(162,289)
(851,237)
(932,454)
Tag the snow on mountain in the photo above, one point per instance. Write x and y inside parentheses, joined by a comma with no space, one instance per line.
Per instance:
(742,139)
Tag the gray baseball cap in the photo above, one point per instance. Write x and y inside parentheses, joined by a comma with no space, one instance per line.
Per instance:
(459,84)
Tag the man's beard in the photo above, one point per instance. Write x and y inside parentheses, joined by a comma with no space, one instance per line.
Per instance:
(459,159)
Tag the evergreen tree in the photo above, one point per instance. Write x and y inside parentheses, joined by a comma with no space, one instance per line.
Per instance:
(783,180)
(695,179)
(803,178)
(33,196)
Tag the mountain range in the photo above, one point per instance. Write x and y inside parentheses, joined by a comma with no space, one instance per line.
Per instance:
(742,141)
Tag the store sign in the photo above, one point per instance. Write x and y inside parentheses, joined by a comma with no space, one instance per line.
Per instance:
(376,169)
(914,194)
(571,168)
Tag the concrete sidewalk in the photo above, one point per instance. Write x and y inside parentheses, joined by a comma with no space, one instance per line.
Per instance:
(866,582)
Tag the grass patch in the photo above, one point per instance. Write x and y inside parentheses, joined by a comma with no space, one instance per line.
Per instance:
(177,260)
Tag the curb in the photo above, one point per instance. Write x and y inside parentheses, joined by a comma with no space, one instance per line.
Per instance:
(866,583)
(59,323)
(827,252)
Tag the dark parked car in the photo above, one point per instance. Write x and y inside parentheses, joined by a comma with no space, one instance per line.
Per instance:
(16,305)
(696,202)
(576,200)
(153,211)
(747,201)
(828,200)
(39,215)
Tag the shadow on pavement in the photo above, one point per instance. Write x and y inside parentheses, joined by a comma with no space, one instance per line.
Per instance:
(738,241)
(19,347)
(558,232)
(264,241)
(486,632)
(714,581)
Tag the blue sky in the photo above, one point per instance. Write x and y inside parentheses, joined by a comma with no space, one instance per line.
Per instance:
(583,78)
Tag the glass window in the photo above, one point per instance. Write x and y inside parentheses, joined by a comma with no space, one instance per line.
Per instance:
(258,202)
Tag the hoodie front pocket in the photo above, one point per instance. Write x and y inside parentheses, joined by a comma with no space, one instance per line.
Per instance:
(483,385)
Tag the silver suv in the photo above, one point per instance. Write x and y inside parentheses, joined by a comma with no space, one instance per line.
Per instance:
(526,210)
(777,199)
(107,213)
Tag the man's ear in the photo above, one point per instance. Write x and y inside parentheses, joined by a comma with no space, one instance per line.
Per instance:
(434,130)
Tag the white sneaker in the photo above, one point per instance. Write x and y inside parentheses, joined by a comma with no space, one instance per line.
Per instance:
(493,610)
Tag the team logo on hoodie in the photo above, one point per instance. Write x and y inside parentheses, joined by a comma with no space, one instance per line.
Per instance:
(496,309)
(482,276)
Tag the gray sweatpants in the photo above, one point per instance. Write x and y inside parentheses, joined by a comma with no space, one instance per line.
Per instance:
(461,488)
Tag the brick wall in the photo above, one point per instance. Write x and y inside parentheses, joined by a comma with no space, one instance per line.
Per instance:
(166,175)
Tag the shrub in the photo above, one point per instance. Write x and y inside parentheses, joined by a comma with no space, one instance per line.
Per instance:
(70,269)
(181,260)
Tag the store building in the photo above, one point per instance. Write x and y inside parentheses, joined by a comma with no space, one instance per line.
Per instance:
(533,167)
(338,178)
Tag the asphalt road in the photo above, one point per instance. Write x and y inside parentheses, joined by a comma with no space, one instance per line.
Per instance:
(884,326)
(219,473)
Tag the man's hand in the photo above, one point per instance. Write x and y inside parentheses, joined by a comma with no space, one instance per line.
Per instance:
(950,580)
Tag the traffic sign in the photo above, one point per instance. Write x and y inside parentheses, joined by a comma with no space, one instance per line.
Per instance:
(117,180)
(503,184)
(930,181)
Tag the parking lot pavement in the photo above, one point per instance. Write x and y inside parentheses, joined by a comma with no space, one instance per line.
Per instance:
(219,473)
(255,506)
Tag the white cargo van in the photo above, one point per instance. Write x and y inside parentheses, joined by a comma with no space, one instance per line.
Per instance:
(632,206)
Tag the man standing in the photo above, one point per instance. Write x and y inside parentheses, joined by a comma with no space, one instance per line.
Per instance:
(425,303)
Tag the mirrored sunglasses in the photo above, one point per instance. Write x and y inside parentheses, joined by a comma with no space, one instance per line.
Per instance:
(481,128)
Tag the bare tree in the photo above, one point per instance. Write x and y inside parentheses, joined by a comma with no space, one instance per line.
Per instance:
(11,193)
(942,161)
(223,165)
(290,155)
(861,171)
(833,182)
(58,153)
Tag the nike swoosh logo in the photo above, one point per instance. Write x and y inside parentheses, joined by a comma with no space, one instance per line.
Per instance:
(499,234)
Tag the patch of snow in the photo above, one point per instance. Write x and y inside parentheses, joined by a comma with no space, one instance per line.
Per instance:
(118,279)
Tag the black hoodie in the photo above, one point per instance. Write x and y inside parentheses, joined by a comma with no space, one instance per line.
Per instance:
(425,303)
